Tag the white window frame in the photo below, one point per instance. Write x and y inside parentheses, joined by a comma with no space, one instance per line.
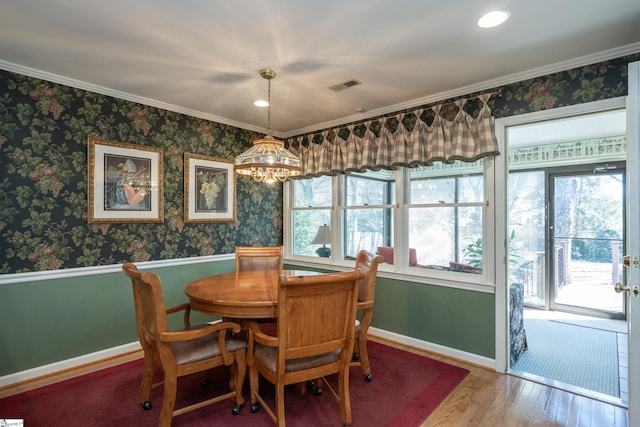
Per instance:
(342,209)
(486,277)
(289,208)
(400,270)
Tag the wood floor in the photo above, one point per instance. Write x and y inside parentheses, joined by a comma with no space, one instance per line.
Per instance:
(487,398)
(484,398)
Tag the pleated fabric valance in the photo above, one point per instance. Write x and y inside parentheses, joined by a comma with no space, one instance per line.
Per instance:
(463,138)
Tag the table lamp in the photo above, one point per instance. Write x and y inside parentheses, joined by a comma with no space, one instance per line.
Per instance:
(322,238)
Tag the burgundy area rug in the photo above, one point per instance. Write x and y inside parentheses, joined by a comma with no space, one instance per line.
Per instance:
(405,389)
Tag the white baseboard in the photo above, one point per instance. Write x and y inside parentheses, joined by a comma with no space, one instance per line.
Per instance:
(435,348)
(62,365)
(101,355)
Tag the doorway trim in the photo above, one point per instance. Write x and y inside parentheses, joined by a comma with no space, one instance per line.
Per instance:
(501,174)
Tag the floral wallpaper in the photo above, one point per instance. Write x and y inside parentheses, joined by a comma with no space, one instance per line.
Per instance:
(44,129)
(594,82)
(43,169)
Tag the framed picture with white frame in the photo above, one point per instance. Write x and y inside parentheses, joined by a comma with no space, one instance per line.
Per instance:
(209,189)
(125,182)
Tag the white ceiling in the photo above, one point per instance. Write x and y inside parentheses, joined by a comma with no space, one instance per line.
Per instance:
(202,57)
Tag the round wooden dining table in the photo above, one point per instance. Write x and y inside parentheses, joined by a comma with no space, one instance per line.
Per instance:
(239,295)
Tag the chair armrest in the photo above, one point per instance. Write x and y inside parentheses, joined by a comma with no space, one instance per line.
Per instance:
(256,335)
(192,334)
(187,312)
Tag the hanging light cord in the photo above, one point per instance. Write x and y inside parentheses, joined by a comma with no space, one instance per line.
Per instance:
(269,107)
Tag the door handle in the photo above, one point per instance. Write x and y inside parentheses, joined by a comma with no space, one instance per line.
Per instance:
(619,288)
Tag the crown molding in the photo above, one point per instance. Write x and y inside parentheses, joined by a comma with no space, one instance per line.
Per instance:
(79,84)
(478,87)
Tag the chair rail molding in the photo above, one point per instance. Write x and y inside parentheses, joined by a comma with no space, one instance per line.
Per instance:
(8,279)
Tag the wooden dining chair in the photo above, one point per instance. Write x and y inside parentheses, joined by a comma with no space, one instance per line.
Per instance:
(183,352)
(259,258)
(368,264)
(316,331)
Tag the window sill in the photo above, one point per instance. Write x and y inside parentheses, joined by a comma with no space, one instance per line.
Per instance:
(466,281)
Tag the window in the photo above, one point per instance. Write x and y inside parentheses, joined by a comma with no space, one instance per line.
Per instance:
(312,201)
(428,221)
(445,217)
(368,202)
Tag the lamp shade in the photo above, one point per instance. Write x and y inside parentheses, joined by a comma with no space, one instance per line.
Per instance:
(268,161)
(323,236)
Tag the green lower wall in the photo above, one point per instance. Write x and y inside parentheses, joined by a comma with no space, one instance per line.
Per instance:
(47,321)
(455,318)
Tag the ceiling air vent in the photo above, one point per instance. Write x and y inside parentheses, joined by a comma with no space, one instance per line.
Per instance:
(345,85)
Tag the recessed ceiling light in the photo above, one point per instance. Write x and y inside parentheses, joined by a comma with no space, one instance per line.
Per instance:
(493,19)
(261,103)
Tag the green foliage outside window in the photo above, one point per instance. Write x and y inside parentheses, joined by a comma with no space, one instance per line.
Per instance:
(473,252)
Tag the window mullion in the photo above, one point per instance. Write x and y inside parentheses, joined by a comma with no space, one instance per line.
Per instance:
(401,235)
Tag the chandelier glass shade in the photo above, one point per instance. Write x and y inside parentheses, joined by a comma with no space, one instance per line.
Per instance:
(268,160)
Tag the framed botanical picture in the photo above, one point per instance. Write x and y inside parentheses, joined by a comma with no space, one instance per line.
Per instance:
(125,182)
(209,189)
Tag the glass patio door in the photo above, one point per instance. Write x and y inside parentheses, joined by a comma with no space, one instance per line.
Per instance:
(586,231)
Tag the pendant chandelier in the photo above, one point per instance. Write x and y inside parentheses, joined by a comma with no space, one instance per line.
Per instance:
(268,160)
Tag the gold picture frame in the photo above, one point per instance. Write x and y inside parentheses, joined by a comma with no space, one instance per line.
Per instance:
(125,182)
(209,189)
